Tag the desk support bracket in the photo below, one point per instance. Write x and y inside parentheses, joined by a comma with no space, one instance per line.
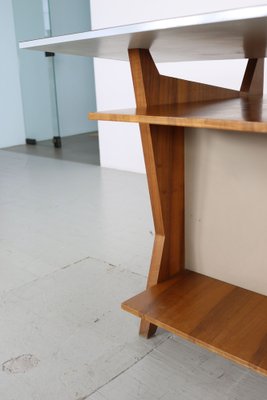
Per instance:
(163,148)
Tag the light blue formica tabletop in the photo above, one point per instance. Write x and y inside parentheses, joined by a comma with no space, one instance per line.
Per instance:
(230,34)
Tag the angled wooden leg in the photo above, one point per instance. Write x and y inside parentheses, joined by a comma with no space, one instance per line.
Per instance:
(164,157)
(252,87)
(252,83)
(163,148)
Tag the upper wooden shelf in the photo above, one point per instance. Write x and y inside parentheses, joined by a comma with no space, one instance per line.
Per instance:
(231,34)
(248,114)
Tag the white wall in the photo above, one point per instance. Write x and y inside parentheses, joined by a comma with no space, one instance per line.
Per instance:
(226,172)
(11,114)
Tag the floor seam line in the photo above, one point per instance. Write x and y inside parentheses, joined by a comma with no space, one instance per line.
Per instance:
(126,369)
(66,267)
(103,261)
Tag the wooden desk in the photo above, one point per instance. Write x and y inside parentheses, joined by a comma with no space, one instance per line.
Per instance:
(224,318)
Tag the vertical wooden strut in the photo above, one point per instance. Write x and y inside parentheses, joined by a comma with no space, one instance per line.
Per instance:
(163,148)
(252,83)
(252,86)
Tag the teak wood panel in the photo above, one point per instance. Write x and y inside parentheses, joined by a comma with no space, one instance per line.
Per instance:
(241,114)
(163,148)
(190,104)
(226,319)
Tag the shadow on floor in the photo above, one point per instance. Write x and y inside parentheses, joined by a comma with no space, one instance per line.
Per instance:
(83,148)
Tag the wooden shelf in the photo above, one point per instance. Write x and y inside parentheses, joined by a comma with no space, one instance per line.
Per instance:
(224,318)
(240,114)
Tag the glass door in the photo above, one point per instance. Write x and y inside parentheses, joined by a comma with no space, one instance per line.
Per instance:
(57,91)
(36,71)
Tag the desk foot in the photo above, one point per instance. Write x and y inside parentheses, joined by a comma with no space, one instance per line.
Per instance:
(147,329)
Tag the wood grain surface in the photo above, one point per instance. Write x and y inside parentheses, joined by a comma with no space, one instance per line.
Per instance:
(176,102)
(163,148)
(245,114)
(225,318)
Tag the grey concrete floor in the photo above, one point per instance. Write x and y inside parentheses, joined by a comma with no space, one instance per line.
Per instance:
(75,241)
(82,148)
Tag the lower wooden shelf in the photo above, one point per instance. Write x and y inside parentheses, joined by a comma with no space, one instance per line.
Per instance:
(222,317)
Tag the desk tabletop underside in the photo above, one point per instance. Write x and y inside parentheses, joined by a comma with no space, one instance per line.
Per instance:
(231,34)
